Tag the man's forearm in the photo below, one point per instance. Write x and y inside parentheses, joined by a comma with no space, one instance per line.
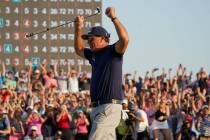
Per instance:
(78,43)
(121,31)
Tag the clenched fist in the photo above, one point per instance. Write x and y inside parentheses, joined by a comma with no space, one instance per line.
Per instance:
(110,12)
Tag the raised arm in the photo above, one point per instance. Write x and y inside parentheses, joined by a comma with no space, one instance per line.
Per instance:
(29,73)
(43,67)
(56,69)
(3,68)
(122,44)
(78,41)
(79,69)
(69,70)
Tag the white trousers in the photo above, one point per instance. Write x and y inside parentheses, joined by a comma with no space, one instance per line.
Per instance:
(105,118)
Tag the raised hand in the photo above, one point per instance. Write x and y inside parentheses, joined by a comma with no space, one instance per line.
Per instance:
(110,12)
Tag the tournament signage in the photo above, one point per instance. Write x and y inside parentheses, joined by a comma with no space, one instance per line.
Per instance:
(21,17)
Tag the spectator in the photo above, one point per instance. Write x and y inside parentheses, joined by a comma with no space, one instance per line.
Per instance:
(63,120)
(34,119)
(61,78)
(9,81)
(203,124)
(140,122)
(187,99)
(125,129)
(49,79)
(58,135)
(2,74)
(160,122)
(33,135)
(73,79)
(186,132)
(4,124)
(49,126)
(17,128)
(81,123)
(84,82)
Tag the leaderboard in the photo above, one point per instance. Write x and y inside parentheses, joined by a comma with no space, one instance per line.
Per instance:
(21,17)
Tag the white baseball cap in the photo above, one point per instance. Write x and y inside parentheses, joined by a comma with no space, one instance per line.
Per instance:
(34,128)
(37,71)
(124,101)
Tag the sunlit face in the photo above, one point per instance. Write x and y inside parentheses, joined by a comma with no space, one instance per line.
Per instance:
(61,72)
(33,133)
(206,111)
(149,103)
(36,75)
(80,114)
(96,42)
(10,76)
(124,106)
(35,115)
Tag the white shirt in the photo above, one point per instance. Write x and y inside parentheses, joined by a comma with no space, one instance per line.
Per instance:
(73,84)
(141,126)
(62,83)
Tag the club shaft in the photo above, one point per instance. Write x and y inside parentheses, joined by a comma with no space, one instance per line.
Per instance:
(55,27)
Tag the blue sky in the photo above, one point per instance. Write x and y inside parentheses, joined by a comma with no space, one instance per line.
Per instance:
(163,33)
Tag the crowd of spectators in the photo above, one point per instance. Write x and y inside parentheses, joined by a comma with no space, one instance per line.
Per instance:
(47,102)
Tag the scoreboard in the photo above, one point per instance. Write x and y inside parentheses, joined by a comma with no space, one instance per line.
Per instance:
(21,17)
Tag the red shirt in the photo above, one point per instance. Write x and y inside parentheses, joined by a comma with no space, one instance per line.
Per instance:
(64,122)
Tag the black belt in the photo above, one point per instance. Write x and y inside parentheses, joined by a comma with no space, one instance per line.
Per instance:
(112,101)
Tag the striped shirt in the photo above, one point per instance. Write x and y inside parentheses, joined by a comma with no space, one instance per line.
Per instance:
(205,126)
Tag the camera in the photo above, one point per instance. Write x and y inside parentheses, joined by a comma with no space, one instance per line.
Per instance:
(130,119)
(131,112)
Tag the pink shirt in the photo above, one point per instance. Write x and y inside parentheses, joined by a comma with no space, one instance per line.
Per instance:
(37,123)
(16,136)
(49,81)
(149,112)
(81,126)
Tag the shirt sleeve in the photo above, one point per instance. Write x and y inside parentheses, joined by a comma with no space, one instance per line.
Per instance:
(114,50)
(88,54)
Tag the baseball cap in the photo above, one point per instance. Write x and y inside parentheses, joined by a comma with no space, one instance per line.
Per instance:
(205,106)
(29,107)
(34,111)
(96,31)
(124,101)
(34,128)
(79,111)
(37,71)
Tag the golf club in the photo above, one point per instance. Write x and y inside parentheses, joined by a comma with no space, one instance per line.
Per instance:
(52,28)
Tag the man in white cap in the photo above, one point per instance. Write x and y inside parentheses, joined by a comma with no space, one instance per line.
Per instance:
(33,135)
(139,117)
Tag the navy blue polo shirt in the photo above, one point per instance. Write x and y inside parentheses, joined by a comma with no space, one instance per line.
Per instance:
(106,80)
